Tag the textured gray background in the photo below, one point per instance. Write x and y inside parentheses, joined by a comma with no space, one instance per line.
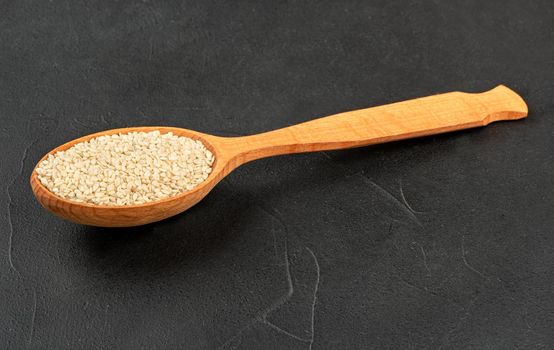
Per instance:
(442,242)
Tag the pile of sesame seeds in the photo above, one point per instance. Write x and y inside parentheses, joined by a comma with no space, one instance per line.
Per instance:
(126,169)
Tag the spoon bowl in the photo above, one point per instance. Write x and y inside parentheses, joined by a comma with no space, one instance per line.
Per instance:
(414,118)
(131,215)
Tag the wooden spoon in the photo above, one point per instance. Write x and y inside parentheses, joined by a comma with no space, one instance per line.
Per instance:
(419,117)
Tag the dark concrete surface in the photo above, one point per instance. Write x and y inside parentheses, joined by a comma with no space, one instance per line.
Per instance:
(443,242)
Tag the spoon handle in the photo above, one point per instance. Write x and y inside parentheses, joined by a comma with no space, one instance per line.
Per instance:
(397,121)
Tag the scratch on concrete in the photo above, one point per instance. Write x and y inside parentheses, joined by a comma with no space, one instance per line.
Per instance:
(393,199)
(103,119)
(405,201)
(314,302)
(10,235)
(77,121)
(274,242)
(33,317)
(465,260)
(10,221)
(274,213)
(281,330)
(290,288)
(424,259)
(422,288)
(104,328)
(487,277)
(527,322)
(262,317)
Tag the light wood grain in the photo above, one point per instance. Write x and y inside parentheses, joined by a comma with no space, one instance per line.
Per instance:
(414,118)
